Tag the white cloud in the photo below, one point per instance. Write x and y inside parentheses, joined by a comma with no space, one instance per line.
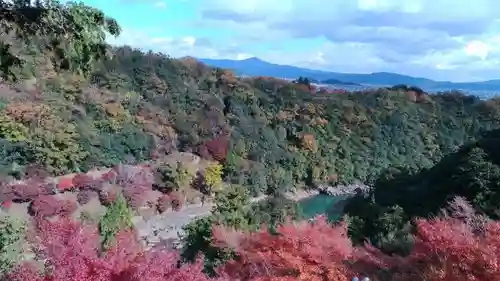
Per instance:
(445,39)
(177,47)
(160,5)
(477,48)
(440,39)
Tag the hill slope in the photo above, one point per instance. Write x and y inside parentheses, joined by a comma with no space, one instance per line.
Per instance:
(402,195)
(139,105)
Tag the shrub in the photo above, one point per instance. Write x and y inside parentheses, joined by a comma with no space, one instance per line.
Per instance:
(168,178)
(84,196)
(133,175)
(164,202)
(218,148)
(135,182)
(24,191)
(136,195)
(36,172)
(449,249)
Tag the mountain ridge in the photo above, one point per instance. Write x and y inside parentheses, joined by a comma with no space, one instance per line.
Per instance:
(256,67)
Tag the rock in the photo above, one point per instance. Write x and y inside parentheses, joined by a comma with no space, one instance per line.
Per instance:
(340,190)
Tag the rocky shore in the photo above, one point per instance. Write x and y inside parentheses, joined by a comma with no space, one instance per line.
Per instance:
(341,190)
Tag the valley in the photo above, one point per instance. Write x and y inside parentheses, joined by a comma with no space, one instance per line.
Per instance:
(108,153)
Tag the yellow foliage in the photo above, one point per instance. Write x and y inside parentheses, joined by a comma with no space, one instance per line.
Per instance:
(11,130)
(213,175)
(310,108)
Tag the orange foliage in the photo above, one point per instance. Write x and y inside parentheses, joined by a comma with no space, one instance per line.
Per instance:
(228,76)
(309,142)
(445,249)
(306,88)
(27,112)
(303,251)
(158,125)
(113,109)
(448,249)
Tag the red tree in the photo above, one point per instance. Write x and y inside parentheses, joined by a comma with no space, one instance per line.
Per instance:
(448,249)
(304,251)
(50,205)
(85,181)
(24,191)
(217,148)
(71,252)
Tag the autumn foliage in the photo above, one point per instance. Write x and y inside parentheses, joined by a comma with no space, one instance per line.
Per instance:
(50,205)
(71,252)
(300,251)
(216,148)
(445,249)
(23,191)
(448,249)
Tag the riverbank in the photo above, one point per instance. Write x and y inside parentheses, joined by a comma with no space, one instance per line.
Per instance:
(302,194)
(168,226)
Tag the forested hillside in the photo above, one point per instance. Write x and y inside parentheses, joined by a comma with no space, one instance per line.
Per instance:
(142,105)
(69,103)
(471,174)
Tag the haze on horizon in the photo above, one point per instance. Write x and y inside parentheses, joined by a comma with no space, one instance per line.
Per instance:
(442,40)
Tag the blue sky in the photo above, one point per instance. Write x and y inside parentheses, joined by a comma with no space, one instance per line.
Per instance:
(456,40)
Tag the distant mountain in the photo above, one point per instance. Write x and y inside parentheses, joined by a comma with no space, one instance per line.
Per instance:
(337,82)
(257,67)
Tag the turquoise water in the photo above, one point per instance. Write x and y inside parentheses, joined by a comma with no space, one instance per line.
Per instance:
(322,204)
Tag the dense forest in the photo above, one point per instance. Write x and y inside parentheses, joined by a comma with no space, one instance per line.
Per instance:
(471,174)
(70,103)
(138,105)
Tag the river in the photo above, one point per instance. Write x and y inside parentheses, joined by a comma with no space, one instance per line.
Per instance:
(322,204)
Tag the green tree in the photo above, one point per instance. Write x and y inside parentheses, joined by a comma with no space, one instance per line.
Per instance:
(118,217)
(232,209)
(73,32)
(11,241)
